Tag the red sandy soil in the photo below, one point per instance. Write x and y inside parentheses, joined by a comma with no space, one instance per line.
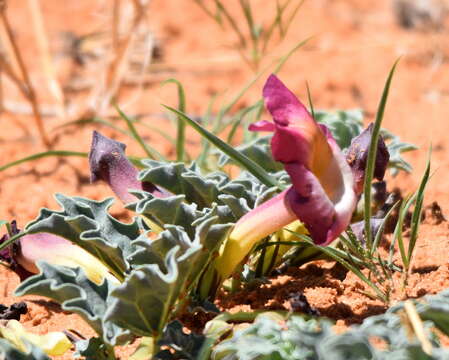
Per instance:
(346,63)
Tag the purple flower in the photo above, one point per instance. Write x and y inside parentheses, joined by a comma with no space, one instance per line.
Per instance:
(324,191)
(109,163)
(322,195)
(357,157)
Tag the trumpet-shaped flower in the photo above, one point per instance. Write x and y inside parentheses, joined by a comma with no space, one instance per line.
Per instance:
(324,190)
(24,254)
(109,163)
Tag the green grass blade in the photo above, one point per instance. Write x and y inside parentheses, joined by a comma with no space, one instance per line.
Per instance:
(43,155)
(397,235)
(285,57)
(12,239)
(241,115)
(416,216)
(95,120)
(151,153)
(137,161)
(292,16)
(222,9)
(309,97)
(162,133)
(180,137)
(3,222)
(380,231)
(239,158)
(369,172)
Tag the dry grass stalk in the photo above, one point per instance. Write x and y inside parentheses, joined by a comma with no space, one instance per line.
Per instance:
(25,84)
(418,326)
(44,50)
(121,46)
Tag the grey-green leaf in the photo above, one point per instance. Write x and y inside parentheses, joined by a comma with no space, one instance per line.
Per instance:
(76,293)
(88,224)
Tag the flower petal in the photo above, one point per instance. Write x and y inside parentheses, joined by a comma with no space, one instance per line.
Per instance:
(282,103)
(325,215)
(108,162)
(262,125)
(298,138)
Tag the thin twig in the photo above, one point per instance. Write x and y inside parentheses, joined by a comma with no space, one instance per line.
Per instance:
(44,50)
(31,95)
(418,327)
(116,69)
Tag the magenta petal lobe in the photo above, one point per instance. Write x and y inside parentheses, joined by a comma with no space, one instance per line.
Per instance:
(310,203)
(282,103)
(262,125)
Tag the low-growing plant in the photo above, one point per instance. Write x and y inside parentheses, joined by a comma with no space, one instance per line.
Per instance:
(194,229)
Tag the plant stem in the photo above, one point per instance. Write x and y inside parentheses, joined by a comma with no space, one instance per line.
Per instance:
(30,93)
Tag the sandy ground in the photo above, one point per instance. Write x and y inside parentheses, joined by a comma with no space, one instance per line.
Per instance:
(346,63)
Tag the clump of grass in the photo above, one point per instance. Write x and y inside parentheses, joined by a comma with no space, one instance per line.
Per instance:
(254,38)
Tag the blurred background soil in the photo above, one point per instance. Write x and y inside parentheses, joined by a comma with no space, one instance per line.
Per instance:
(354,44)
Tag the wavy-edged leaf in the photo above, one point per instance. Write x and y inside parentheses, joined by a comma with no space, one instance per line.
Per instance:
(88,224)
(343,124)
(165,269)
(396,147)
(92,349)
(144,301)
(76,293)
(258,151)
(10,352)
(243,194)
(270,338)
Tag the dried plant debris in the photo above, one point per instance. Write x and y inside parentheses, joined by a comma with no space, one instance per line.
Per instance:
(433,214)
(14,311)
(421,14)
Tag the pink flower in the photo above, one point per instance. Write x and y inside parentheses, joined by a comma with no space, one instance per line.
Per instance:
(323,194)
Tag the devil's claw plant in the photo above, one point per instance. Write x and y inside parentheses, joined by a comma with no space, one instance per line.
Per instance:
(193,230)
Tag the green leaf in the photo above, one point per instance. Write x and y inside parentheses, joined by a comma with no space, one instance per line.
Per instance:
(205,190)
(145,300)
(352,346)
(239,158)
(10,352)
(343,124)
(151,152)
(396,147)
(43,155)
(259,151)
(370,163)
(93,349)
(88,224)
(417,212)
(165,269)
(76,293)
(180,137)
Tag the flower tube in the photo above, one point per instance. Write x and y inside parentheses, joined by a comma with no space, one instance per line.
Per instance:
(31,248)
